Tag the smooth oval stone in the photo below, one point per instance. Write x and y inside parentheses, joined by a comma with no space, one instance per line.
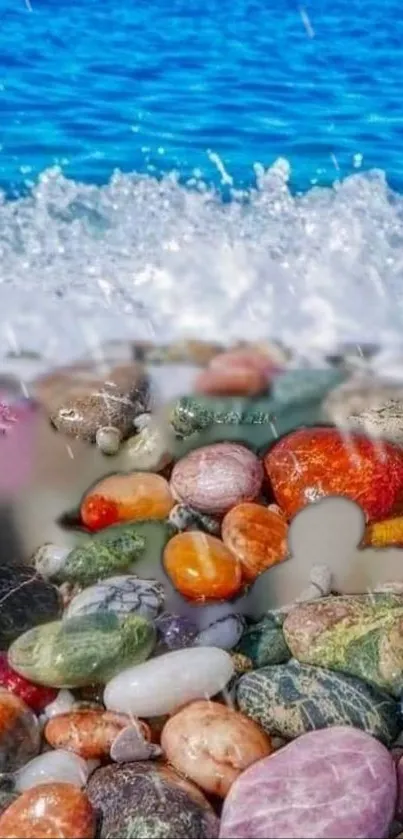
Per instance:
(82,651)
(26,601)
(224,632)
(174,632)
(162,685)
(355,634)
(336,782)
(121,595)
(133,496)
(56,766)
(292,699)
(257,535)
(211,744)
(35,696)
(201,568)
(264,642)
(147,800)
(88,732)
(215,478)
(47,811)
(19,732)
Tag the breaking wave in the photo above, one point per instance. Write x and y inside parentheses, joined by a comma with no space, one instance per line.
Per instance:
(154,259)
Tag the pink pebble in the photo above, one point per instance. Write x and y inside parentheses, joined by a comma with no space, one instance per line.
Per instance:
(253,359)
(327,784)
(215,478)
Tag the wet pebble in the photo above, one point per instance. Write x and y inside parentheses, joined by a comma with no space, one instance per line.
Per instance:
(175,632)
(215,478)
(49,559)
(163,684)
(35,696)
(54,766)
(108,439)
(122,595)
(225,632)
(212,744)
(49,811)
(83,650)
(88,732)
(19,732)
(136,496)
(201,567)
(149,800)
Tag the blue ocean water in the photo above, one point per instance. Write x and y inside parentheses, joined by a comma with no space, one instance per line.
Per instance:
(156,85)
(214,167)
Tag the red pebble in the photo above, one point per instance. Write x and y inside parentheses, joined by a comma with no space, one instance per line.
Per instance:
(316,462)
(98,512)
(36,696)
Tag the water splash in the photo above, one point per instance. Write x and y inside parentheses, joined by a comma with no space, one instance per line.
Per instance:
(147,259)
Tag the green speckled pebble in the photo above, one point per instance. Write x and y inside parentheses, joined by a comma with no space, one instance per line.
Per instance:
(86,650)
(144,800)
(97,559)
(361,635)
(264,642)
(291,699)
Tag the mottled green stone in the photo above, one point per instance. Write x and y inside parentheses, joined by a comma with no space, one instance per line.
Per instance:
(296,399)
(85,650)
(357,634)
(291,699)
(264,642)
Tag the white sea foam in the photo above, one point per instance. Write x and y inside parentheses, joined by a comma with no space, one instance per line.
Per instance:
(147,259)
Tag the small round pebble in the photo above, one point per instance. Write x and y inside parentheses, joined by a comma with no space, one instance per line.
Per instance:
(108,439)
(53,767)
(88,732)
(19,732)
(175,632)
(149,800)
(49,811)
(231,381)
(215,478)
(225,632)
(212,744)
(49,559)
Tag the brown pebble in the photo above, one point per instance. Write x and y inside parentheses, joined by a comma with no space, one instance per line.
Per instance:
(88,732)
(234,381)
(211,744)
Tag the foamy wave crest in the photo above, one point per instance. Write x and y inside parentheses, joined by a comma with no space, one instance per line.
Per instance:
(153,259)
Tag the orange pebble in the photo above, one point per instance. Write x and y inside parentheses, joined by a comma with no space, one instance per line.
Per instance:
(88,732)
(231,381)
(201,567)
(380,534)
(246,358)
(257,536)
(133,497)
(49,811)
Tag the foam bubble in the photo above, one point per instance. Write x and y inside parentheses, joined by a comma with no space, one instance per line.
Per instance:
(156,260)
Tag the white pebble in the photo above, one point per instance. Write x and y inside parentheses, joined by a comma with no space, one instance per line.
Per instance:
(161,685)
(61,705)
(59,766)
(49,559)
(108,439)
